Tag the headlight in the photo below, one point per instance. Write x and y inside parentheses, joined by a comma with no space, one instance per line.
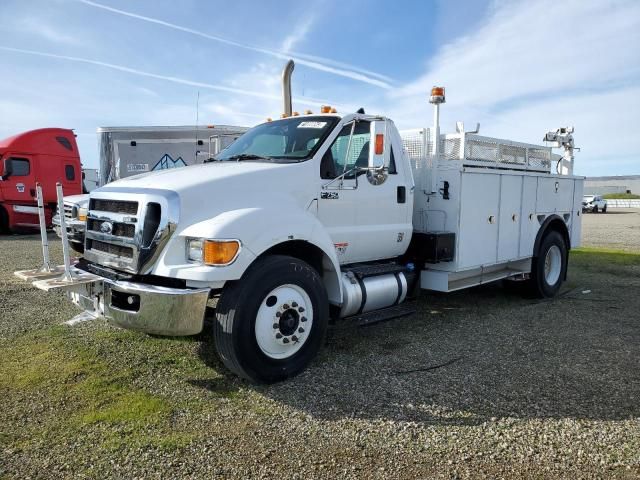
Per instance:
(212,252)
(82,214)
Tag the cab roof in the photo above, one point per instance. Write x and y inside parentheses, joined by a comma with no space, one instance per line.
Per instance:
(50,141)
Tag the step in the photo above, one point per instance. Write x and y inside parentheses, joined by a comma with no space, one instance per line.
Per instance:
(362,271)
(383,314)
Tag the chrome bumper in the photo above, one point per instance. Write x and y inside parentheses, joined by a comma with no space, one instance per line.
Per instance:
(145,308)
(75,229)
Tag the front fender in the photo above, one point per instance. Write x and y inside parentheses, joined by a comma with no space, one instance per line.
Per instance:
(258,229)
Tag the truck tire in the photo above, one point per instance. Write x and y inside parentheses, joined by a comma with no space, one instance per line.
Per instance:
(549,267)
(271,323)
(4,221)
(604,209)
(594,209)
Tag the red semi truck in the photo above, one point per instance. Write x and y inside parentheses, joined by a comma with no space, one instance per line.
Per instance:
(47,156)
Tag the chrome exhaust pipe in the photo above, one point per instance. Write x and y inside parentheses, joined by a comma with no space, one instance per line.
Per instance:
(286,87)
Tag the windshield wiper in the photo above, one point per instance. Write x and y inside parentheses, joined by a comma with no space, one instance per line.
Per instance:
(247,156)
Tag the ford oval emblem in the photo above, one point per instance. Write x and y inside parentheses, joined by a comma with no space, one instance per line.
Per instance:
(106,227)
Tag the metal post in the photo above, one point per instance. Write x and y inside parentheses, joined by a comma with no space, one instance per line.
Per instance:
(436,147)
(63,230)
(46,265)
(286,87)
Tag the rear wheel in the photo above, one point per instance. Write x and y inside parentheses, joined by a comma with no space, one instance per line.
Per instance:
(604,209)
(271,323)
(549,267)
(595,209)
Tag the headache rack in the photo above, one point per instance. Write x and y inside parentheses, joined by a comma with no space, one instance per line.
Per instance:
(473,150)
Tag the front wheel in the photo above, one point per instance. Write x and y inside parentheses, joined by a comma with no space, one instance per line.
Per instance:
(604,209)
(594,209)
(549,267)
(271,323)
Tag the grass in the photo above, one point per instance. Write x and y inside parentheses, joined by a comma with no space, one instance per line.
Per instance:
(622,196)
(89,386)
(605,260)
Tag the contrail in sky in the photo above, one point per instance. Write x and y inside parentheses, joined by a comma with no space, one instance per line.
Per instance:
(310,61)
(182,81)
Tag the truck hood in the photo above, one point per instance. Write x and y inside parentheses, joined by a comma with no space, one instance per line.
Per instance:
(208,189)
(180,179)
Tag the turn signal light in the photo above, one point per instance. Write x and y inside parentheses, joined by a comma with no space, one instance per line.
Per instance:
(295,114)
(219,252)
(284,115)
(269,119)
(333,110)
(308,112)
(379,144)
(325,109)
(437,92)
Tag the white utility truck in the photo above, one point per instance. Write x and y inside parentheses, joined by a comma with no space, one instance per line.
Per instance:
(128,151)
(320,216)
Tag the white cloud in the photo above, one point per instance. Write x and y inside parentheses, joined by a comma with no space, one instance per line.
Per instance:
(533,66)
(39,28)
(352,73)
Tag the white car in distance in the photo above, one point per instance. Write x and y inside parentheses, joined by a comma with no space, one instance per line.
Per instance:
(594,204)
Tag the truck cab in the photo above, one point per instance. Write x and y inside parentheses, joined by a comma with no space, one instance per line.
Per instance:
(44,156)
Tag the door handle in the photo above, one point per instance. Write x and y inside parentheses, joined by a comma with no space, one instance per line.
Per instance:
(401,194)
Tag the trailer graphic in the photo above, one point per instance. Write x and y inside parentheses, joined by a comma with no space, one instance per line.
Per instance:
(166,162)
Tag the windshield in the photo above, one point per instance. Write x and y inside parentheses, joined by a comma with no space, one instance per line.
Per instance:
(293,139)
(588,198)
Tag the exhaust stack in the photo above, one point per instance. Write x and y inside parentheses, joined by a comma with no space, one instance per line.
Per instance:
(286,87)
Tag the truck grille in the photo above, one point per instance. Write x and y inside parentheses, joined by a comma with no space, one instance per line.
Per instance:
(115,206)
(118,229)
(126,234)
(68,211)
(110,248)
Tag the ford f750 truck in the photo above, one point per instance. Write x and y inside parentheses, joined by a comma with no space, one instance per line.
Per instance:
(320,216)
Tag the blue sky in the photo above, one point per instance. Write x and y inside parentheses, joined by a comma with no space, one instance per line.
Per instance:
(519,68)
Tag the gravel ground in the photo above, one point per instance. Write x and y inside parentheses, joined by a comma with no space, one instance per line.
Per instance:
(619,228)
(479,383)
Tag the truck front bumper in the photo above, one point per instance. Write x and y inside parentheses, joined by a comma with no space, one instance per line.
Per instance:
(144,308)
(75,229)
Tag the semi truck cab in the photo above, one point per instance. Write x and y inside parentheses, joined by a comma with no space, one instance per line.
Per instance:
(44,156)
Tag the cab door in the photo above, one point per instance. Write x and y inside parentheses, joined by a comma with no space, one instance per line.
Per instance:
(18,182)
(367,211)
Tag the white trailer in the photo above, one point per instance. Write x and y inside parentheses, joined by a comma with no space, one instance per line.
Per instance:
(322,216)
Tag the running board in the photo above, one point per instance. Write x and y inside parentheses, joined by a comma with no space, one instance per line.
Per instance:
(383,314)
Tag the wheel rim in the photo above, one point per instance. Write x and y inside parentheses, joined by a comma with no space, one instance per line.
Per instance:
(284,321)
(552,265)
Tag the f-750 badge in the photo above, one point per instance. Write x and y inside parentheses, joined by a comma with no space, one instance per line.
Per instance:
(329,195)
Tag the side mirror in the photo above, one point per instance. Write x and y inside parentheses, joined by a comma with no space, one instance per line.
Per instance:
(378,146)
(8,169)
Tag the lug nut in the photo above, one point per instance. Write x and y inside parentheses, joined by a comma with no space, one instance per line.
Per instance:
(285,340)
(301,330)
(294,338)
(279,335)
(285,306)
(294,304)
(278,314)
(303,319)
(275,325)
(301,309)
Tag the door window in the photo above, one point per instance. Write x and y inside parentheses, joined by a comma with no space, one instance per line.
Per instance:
(69,172)
(343,155)
(19,167)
